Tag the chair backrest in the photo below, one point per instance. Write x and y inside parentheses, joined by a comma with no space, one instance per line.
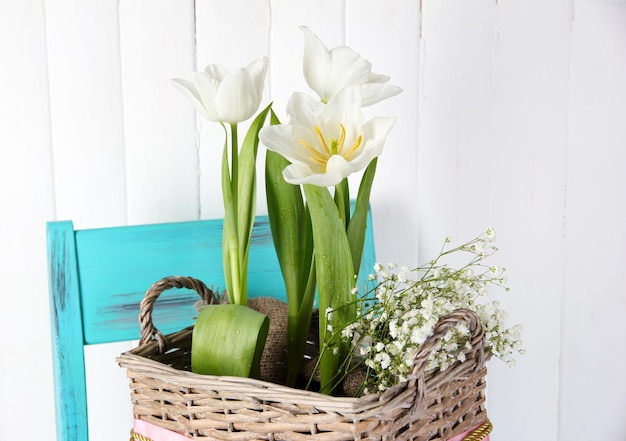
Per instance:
(98,277)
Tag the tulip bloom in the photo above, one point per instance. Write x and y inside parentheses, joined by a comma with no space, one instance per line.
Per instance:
(326,143)
(323,143)
(223,96)
(328,72)
(230,98)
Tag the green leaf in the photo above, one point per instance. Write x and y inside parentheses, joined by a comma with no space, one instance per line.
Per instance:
(358,222)
(286,215)
(228,340)
(306,245)
(230,247)
(335,278)
(246,209)
(292,235)
(298,327)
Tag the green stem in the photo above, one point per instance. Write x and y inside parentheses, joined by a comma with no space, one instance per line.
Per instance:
(234,158)
(230,247)
(236,271)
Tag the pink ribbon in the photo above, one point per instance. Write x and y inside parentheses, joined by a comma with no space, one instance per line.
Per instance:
(156,433)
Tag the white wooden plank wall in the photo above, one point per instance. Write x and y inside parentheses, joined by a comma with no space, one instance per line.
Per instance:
(513,116)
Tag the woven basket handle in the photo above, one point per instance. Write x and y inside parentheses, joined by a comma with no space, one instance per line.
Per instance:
(477,342)
(147,328)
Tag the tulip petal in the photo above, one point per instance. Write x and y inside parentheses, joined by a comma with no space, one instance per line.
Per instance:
(338,168)
(374,132)
(236,100)
(377,78)
(207,88)
(299,173)
(303,109)
(284,139)
(345,106)
(188,89)
(375,92)
(223,96)
(216,71)
(257,71)
(328,72)
(348,69)
(317,63)
(377,129)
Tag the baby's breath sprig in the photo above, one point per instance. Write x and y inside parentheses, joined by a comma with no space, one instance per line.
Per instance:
(399,312)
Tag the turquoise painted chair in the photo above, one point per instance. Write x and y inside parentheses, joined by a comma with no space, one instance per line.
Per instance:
(97,278)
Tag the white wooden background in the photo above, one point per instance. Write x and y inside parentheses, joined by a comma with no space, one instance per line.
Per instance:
(513,116)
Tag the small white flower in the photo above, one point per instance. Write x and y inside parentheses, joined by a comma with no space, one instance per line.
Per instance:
(411,303)
(479,248)
(393,328)
(462,328)
(329,313)
(419,335)
(385,361)
(347,332)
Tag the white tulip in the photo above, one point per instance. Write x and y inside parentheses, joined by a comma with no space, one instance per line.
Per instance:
(223,96)
(326,143)
(328,72)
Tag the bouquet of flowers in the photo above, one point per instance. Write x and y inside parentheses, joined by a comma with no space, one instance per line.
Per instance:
(319,236)
(399,313)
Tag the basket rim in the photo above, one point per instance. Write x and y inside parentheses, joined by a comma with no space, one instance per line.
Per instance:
(407,394)
(403,394)
(166,373)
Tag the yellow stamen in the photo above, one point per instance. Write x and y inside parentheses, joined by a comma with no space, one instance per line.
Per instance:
(318,132)
(342,139)
(331,146)
(319,157)
(354,147)
(321,162)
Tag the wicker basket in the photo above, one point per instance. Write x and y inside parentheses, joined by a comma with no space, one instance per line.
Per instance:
(433,406)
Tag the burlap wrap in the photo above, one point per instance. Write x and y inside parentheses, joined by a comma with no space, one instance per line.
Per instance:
(274,358)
